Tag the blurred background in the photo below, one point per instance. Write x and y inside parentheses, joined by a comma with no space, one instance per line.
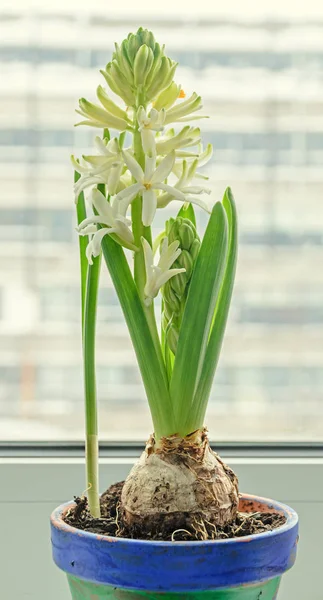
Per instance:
(261,76)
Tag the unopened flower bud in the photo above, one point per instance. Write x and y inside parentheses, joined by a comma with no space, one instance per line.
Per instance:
(117,86)
(172,336)
(162,79)
(186,234)
(133,47)
(121,57)
(175,292)
(194,249)
(178,283)
(142,64)
(168,97)
(146,37)
(186,261)
(171,299)
(158,55)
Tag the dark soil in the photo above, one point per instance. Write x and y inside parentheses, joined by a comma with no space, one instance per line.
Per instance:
(189,529)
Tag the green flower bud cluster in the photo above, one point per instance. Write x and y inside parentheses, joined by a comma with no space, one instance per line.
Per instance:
(139,68)
(175,291)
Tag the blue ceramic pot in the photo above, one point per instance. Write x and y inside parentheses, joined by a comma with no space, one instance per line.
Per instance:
(247,568)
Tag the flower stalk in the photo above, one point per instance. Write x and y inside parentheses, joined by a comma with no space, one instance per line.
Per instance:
(140,231)
(91,413)
(83,242)
(89,292)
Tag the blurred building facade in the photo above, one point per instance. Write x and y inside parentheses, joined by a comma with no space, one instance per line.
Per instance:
(262,84)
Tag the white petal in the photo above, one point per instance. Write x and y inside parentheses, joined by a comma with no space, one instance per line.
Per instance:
(114,178)
(153,115)
(148,141)
(173,248)
(198,202)
(173,191)
(123,231)
(164,245)
(102,206)
(150,166)
(183,104)
(97,239)
(194,189)
(88,221)
(149,258)
(165,276)
(184,178)
(184,154)
(77,166)
(95,160)
(141,116)
(119,207)
(164,168)
(113,146)
(149,206)
(166,261)
(101,145)
(97,124)
(206,155)
(133,166)
(85,182)
(87,230)
(161,119)
(88,253)
(201,176)
(192,169)
(130,192)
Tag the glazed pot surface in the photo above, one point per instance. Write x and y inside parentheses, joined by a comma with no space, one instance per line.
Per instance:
(246,568)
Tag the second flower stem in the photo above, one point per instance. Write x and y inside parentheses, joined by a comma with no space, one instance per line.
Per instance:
(91,417)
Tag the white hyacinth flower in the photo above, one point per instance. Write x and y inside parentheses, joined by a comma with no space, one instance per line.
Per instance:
(158,275)
(105,167)
(182,111)
(191,192)
(114,216)
(154,121)
(168,97)
(202,157)
(148,181)
(95,116)
(189,136)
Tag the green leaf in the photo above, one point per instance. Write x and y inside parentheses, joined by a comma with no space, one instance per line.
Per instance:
(187,212)
(197,414)
(151,364)
(197,319)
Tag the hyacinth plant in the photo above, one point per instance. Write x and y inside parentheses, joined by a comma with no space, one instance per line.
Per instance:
(152,158)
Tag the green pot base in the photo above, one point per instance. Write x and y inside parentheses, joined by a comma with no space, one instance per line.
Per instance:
(85,590)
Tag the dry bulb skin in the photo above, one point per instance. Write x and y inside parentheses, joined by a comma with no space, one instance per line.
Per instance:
(177,478)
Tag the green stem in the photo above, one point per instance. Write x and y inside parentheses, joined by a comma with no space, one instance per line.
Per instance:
(91,417)
(89,290)
(83,242)
(139,231)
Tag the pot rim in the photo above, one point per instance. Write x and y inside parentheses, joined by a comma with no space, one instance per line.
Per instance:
(58,523)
